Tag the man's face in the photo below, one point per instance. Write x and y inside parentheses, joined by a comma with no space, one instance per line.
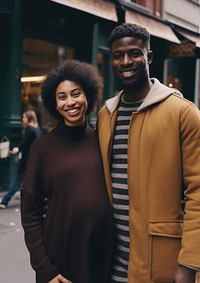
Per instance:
(130,61)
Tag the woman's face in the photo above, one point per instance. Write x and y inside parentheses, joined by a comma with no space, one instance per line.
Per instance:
(71,103)
(24,120)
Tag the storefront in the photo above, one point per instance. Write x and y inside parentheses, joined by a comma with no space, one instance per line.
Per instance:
(37,35)
(76,30)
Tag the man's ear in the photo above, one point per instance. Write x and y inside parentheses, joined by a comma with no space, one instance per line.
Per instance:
(150,57)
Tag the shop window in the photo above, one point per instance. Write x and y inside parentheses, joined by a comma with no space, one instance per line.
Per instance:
(103,64)
(175,82)
(38,58)
(175,75)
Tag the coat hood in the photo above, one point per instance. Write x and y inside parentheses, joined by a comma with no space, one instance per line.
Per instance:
(157,93)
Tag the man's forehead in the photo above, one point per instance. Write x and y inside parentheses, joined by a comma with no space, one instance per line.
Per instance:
(128,42)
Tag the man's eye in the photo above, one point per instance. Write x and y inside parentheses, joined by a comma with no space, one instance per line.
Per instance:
(134,54)
(117,56)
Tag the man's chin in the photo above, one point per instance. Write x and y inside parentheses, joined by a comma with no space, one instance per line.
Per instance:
(128,82)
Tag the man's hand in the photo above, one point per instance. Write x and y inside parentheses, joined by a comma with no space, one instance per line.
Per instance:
(59,278)
(44,206)
(183,274)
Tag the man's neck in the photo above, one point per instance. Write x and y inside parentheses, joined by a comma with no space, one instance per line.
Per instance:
(134,94)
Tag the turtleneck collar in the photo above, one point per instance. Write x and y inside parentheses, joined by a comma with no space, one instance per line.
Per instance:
(72,133)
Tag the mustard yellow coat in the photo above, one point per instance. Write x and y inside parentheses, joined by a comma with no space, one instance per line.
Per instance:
(163,159)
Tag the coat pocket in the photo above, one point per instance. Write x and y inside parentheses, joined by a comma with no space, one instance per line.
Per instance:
(165,244)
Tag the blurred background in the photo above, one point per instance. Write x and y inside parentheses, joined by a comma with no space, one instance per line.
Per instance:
(36,35)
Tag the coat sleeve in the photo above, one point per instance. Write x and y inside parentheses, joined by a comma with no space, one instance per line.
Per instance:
(190,149)
(32,216)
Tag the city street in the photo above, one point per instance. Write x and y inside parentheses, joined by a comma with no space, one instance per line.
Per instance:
(14,257)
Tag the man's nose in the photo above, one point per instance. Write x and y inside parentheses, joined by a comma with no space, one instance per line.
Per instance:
(126,59)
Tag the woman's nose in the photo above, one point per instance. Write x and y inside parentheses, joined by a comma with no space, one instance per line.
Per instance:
(71,101)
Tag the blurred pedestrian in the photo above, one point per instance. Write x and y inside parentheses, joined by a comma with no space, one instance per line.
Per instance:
(150,143)
(31,132)
(73,243)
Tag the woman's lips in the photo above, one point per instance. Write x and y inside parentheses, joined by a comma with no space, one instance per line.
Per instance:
(73,111)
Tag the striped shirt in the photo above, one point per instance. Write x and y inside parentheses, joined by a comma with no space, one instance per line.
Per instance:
(119,176)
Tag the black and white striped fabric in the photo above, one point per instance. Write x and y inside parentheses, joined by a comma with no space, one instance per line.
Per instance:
(119,177)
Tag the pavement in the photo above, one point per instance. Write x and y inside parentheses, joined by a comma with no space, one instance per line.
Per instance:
(14,257)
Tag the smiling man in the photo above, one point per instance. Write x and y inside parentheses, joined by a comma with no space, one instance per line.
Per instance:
(150,143)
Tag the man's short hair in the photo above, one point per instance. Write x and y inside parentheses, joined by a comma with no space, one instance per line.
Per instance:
(130,30)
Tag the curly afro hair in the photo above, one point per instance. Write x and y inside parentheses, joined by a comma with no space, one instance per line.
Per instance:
(84,74)
(130,30)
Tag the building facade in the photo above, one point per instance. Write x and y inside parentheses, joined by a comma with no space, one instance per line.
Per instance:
(182,69)
(40,34)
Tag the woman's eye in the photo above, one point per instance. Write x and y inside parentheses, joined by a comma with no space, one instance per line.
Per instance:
(76,93)
(61,97)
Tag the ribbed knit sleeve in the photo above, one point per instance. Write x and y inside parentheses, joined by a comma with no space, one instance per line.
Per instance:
(32,216)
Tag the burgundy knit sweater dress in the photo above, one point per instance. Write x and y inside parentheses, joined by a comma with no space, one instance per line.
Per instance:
(76,237)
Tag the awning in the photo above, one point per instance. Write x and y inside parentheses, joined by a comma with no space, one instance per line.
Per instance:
(154,27)
(194,38)
(101,8)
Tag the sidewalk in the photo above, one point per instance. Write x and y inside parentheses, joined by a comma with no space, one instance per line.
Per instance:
(14,257)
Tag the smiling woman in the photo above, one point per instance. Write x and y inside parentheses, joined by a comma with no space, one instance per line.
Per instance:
(81,73)
(71,103)
(65,166)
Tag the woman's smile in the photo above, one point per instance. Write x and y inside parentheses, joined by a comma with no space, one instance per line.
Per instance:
(71,103)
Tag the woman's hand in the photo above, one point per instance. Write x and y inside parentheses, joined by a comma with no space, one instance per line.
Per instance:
(183,274)
(59,278)
(15,150)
